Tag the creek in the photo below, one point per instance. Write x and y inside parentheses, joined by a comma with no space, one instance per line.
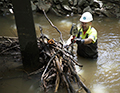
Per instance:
(100,76)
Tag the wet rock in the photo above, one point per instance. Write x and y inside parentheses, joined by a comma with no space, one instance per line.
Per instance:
(91,2)
(76,10)
(56,1)
(107,8)
(111,1)
(43,5)
(81,2)
(66,7)
(55,11)
(75,2)
(70,2)
(88,9)
(34,7)
(111,8)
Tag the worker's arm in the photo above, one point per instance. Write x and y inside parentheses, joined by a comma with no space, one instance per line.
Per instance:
(87,41)
(69,40)
(83,41)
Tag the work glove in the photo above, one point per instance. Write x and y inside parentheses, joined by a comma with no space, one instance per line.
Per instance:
(73,39)
(79,40)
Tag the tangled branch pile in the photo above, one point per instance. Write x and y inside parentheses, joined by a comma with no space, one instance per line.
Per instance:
(9,46)
(59,69)
(57,64)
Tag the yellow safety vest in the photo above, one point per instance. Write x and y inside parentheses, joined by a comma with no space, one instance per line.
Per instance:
(90,33)
(88,50)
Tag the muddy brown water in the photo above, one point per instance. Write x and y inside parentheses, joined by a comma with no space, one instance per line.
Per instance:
(100,76)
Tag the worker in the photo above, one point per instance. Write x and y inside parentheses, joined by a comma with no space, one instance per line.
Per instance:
(86,37)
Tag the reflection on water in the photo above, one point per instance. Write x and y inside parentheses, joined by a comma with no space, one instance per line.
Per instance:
(100,76)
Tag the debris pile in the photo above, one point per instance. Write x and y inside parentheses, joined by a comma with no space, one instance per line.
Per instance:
(57,64)
(9,46)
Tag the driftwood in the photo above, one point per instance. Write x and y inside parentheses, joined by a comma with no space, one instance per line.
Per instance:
(9,44)
(60,69)
(53,25)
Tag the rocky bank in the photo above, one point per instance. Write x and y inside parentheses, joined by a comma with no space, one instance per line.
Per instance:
(102,8)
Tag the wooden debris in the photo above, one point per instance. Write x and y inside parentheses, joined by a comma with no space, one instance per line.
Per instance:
(57,64)
(8,44)
(53,25)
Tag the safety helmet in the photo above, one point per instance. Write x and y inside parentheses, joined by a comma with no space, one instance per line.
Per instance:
(86,17)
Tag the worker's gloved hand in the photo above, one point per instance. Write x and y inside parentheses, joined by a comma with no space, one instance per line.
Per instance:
(73,40)
(79,40)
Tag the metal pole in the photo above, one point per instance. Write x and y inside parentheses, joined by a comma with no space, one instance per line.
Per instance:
(26,33)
